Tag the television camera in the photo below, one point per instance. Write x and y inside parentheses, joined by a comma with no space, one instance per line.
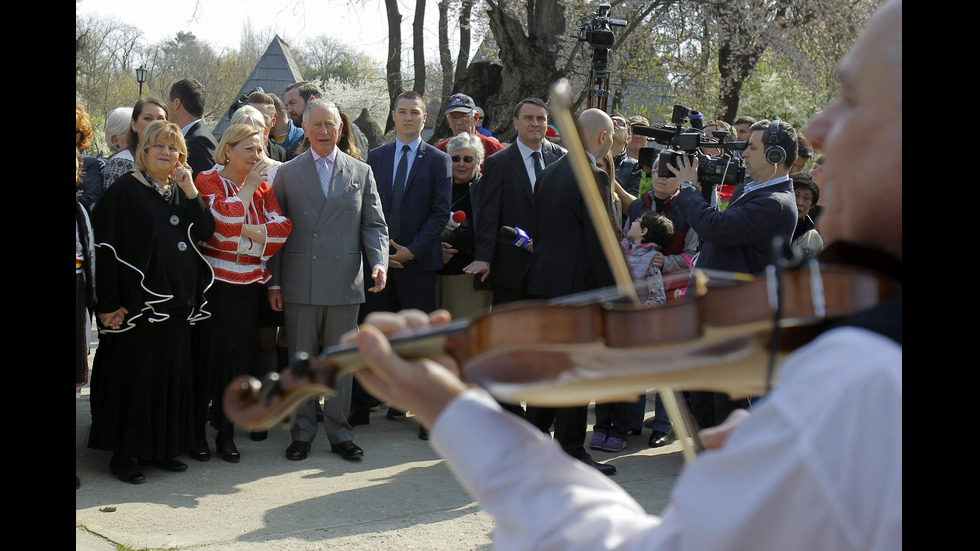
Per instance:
(724,169)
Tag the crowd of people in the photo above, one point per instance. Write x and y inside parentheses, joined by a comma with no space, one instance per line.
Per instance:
(437,239)
(203,259)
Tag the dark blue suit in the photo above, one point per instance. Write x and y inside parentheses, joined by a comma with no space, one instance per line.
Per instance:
(424,214)
(736,240)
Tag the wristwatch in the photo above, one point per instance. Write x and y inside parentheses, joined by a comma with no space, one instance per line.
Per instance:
(686,184)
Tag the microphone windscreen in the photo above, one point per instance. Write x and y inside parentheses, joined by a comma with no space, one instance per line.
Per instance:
(459,216)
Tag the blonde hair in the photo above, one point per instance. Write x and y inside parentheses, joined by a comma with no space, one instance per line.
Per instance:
(247,114)
(232,137)
(162,131)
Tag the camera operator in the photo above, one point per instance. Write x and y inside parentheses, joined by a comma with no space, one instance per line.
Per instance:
(627,168)
(739,239)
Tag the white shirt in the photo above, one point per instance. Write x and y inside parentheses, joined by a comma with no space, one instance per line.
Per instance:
(414,148)
(529,160)
(817,465)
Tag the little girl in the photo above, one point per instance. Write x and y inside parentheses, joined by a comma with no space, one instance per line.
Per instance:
(646,234)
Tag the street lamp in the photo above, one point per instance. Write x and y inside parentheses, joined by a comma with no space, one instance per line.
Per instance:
(141,77)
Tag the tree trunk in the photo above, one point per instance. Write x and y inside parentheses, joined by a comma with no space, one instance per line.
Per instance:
(419,47)
(393,67)
(463,58)
(529,60)
(445,60)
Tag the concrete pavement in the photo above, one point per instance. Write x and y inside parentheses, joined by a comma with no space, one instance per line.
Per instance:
(400,496)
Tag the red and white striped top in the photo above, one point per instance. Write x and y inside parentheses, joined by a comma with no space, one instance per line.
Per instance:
(235,258)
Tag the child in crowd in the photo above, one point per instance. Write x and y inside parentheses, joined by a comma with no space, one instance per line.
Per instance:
(646,234)
(645,237)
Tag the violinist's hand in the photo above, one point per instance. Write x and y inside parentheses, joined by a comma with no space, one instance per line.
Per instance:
(425,386)
(715,437)
(478,267)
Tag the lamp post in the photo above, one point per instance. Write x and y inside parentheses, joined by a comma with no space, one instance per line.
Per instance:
(141,77)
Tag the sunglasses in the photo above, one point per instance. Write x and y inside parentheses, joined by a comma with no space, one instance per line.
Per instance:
(466,159)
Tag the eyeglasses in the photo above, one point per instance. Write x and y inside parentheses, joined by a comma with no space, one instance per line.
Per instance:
(466,159)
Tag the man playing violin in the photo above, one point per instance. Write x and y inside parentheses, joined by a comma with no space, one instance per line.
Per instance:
(816,465)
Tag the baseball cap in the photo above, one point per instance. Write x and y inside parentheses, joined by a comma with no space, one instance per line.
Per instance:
(460,102)
(639,119)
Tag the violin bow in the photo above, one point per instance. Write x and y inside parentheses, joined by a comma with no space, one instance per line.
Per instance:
(676,407)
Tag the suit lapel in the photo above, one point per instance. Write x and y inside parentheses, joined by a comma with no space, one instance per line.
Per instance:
(521,170)
(310,184)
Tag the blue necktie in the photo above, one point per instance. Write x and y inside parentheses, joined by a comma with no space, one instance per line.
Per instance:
(325,176)
(397,191)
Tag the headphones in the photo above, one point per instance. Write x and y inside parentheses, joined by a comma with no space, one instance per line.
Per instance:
(775,154)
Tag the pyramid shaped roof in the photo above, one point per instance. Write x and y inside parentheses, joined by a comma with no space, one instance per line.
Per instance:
(275,70)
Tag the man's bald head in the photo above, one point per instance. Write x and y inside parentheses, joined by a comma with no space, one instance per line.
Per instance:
(597,131)
(861,137)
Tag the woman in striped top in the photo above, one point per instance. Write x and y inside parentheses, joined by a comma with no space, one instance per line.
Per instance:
(249,229)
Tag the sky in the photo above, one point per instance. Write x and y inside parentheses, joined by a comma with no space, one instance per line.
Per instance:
(360,23)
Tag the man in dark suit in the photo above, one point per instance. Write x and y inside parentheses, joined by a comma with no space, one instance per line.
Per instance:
(505,197)
(186,107)
(415,185)
(318,275)
(568,258)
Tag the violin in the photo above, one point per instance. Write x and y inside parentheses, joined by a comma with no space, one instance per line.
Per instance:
(606,346)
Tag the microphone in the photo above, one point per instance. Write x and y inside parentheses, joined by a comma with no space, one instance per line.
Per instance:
(516,236)
(454,221)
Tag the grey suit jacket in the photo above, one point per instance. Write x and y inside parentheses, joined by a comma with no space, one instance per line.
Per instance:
(323,258)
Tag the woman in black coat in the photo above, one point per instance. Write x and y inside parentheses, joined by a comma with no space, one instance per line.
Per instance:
(151,281)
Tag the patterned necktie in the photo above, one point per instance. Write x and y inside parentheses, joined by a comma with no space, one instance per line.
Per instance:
(397,191)
(325,176)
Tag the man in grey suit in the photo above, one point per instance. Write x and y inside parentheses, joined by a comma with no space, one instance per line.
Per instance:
(318,275)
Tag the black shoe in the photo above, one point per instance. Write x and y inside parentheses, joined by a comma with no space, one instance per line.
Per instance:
(226,447)
(423,433)
(347,449)
(171,465)
(200,450)
(360,417)
(298,450)
(395,415)
(126,469)
(259,436)
(603,468)
(659,438)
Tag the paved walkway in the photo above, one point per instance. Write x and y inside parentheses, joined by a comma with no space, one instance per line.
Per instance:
(400,496)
